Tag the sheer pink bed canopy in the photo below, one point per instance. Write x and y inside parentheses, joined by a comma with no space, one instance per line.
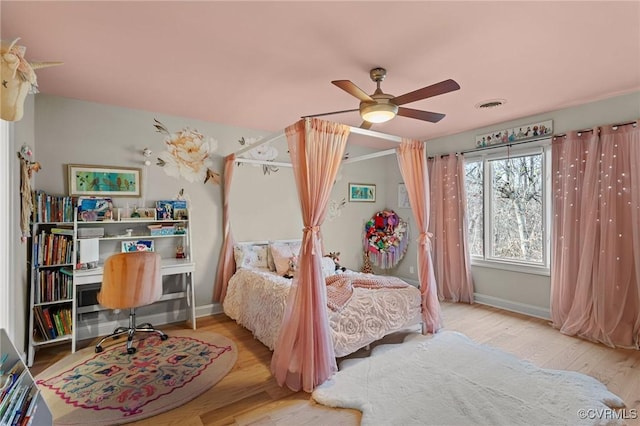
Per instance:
(304,357)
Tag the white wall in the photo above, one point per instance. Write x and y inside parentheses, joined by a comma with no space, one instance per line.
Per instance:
(75,132)
(518,291)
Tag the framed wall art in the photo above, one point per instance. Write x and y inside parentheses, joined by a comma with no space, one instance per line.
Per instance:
(104,181)
(362,192)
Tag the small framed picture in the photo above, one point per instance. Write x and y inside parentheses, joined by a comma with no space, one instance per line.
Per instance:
(143,213)
(362,192)
(137,245)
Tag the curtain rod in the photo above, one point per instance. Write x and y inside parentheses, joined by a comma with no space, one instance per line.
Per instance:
(509,144)
(613,126)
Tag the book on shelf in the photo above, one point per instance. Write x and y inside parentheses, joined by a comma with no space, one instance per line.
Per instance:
(51,330)
(40,323)
(52,208)
(62,230)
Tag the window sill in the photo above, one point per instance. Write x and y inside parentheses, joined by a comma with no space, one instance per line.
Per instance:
(513,267)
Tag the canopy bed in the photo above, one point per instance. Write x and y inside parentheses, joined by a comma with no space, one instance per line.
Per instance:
(304,352)
(360,308)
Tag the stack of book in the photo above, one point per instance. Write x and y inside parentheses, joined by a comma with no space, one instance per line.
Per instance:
(18,394)
(52,322)
(53,249)
(52,208)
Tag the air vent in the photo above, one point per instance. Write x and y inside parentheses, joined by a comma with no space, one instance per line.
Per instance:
(492,103)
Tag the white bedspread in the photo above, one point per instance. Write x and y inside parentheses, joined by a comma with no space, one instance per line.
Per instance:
(256,300)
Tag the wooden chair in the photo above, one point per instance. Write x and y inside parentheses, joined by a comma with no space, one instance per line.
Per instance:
(131,280)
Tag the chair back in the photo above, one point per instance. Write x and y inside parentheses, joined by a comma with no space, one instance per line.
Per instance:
(131,280)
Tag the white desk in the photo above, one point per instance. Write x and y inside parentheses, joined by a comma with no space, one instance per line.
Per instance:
(184,267)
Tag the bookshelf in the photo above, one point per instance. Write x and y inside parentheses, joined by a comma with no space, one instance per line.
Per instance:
(51,290)
(66,261)
(20,399)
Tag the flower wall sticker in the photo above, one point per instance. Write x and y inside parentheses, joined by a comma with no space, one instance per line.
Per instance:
(187,154)
(334,208)
(264,152)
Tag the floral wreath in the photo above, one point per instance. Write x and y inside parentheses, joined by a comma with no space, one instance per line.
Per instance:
(386,238)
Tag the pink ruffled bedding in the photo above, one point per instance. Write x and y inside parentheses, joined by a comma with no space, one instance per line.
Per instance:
(362,308)
(340,287)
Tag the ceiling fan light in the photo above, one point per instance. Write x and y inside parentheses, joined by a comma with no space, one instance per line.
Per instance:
(379,112)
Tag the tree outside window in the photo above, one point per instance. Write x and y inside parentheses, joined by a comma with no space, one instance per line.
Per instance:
(506,208)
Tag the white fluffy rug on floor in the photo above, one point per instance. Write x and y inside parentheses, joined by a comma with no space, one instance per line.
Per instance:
(448,379)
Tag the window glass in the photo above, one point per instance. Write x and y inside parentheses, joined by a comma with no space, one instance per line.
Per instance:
(517,208)
(507,209)
(475,206)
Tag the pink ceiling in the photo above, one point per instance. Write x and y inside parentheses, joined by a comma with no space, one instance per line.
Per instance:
(262,65)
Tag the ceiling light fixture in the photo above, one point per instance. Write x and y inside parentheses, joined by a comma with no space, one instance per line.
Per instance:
(378,112)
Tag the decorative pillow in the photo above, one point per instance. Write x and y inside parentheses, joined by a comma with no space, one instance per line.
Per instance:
(249,256)
(282,254)
(328,267)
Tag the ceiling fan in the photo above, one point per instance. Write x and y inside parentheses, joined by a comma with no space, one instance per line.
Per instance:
(380,107)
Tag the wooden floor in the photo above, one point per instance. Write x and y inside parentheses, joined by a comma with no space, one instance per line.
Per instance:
(248,395)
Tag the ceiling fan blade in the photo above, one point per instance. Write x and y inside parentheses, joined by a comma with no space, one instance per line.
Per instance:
(441,88)
(353,90)
(366,125)
(432,117)
(330,113)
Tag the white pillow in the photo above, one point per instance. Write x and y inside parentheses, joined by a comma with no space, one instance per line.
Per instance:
(282,254)
(250,256)
(328,267)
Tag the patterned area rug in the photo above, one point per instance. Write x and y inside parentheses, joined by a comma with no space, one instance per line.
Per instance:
(113,387)
(448,379)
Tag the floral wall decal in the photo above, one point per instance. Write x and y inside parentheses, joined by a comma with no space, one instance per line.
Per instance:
(264,152)
(334,209)
(187,154)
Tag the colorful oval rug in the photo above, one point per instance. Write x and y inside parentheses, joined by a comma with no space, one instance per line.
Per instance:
(113,387)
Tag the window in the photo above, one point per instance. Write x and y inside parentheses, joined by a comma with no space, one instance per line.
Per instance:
(507,210)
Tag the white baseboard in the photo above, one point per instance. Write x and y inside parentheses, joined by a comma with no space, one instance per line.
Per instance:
(207,310)
(497,302)
(508,305)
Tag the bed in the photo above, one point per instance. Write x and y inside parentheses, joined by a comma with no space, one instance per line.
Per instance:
(256,298)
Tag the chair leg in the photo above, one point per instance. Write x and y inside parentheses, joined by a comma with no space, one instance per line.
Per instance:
(130,332)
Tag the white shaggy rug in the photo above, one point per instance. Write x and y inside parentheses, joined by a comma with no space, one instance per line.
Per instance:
(448,379)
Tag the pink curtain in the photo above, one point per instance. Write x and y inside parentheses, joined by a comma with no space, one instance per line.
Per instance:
(413,167)
(304,356)
(595,274)
(448,225)
(226,262)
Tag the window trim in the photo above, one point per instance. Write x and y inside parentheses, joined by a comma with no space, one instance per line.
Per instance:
(489,261)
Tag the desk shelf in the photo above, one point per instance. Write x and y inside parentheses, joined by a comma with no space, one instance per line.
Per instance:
(85,312)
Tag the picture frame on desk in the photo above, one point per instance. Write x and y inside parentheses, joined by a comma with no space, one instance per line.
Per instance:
(172,209)
(143,213)
(94,180)
(91,209)
(137,245)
